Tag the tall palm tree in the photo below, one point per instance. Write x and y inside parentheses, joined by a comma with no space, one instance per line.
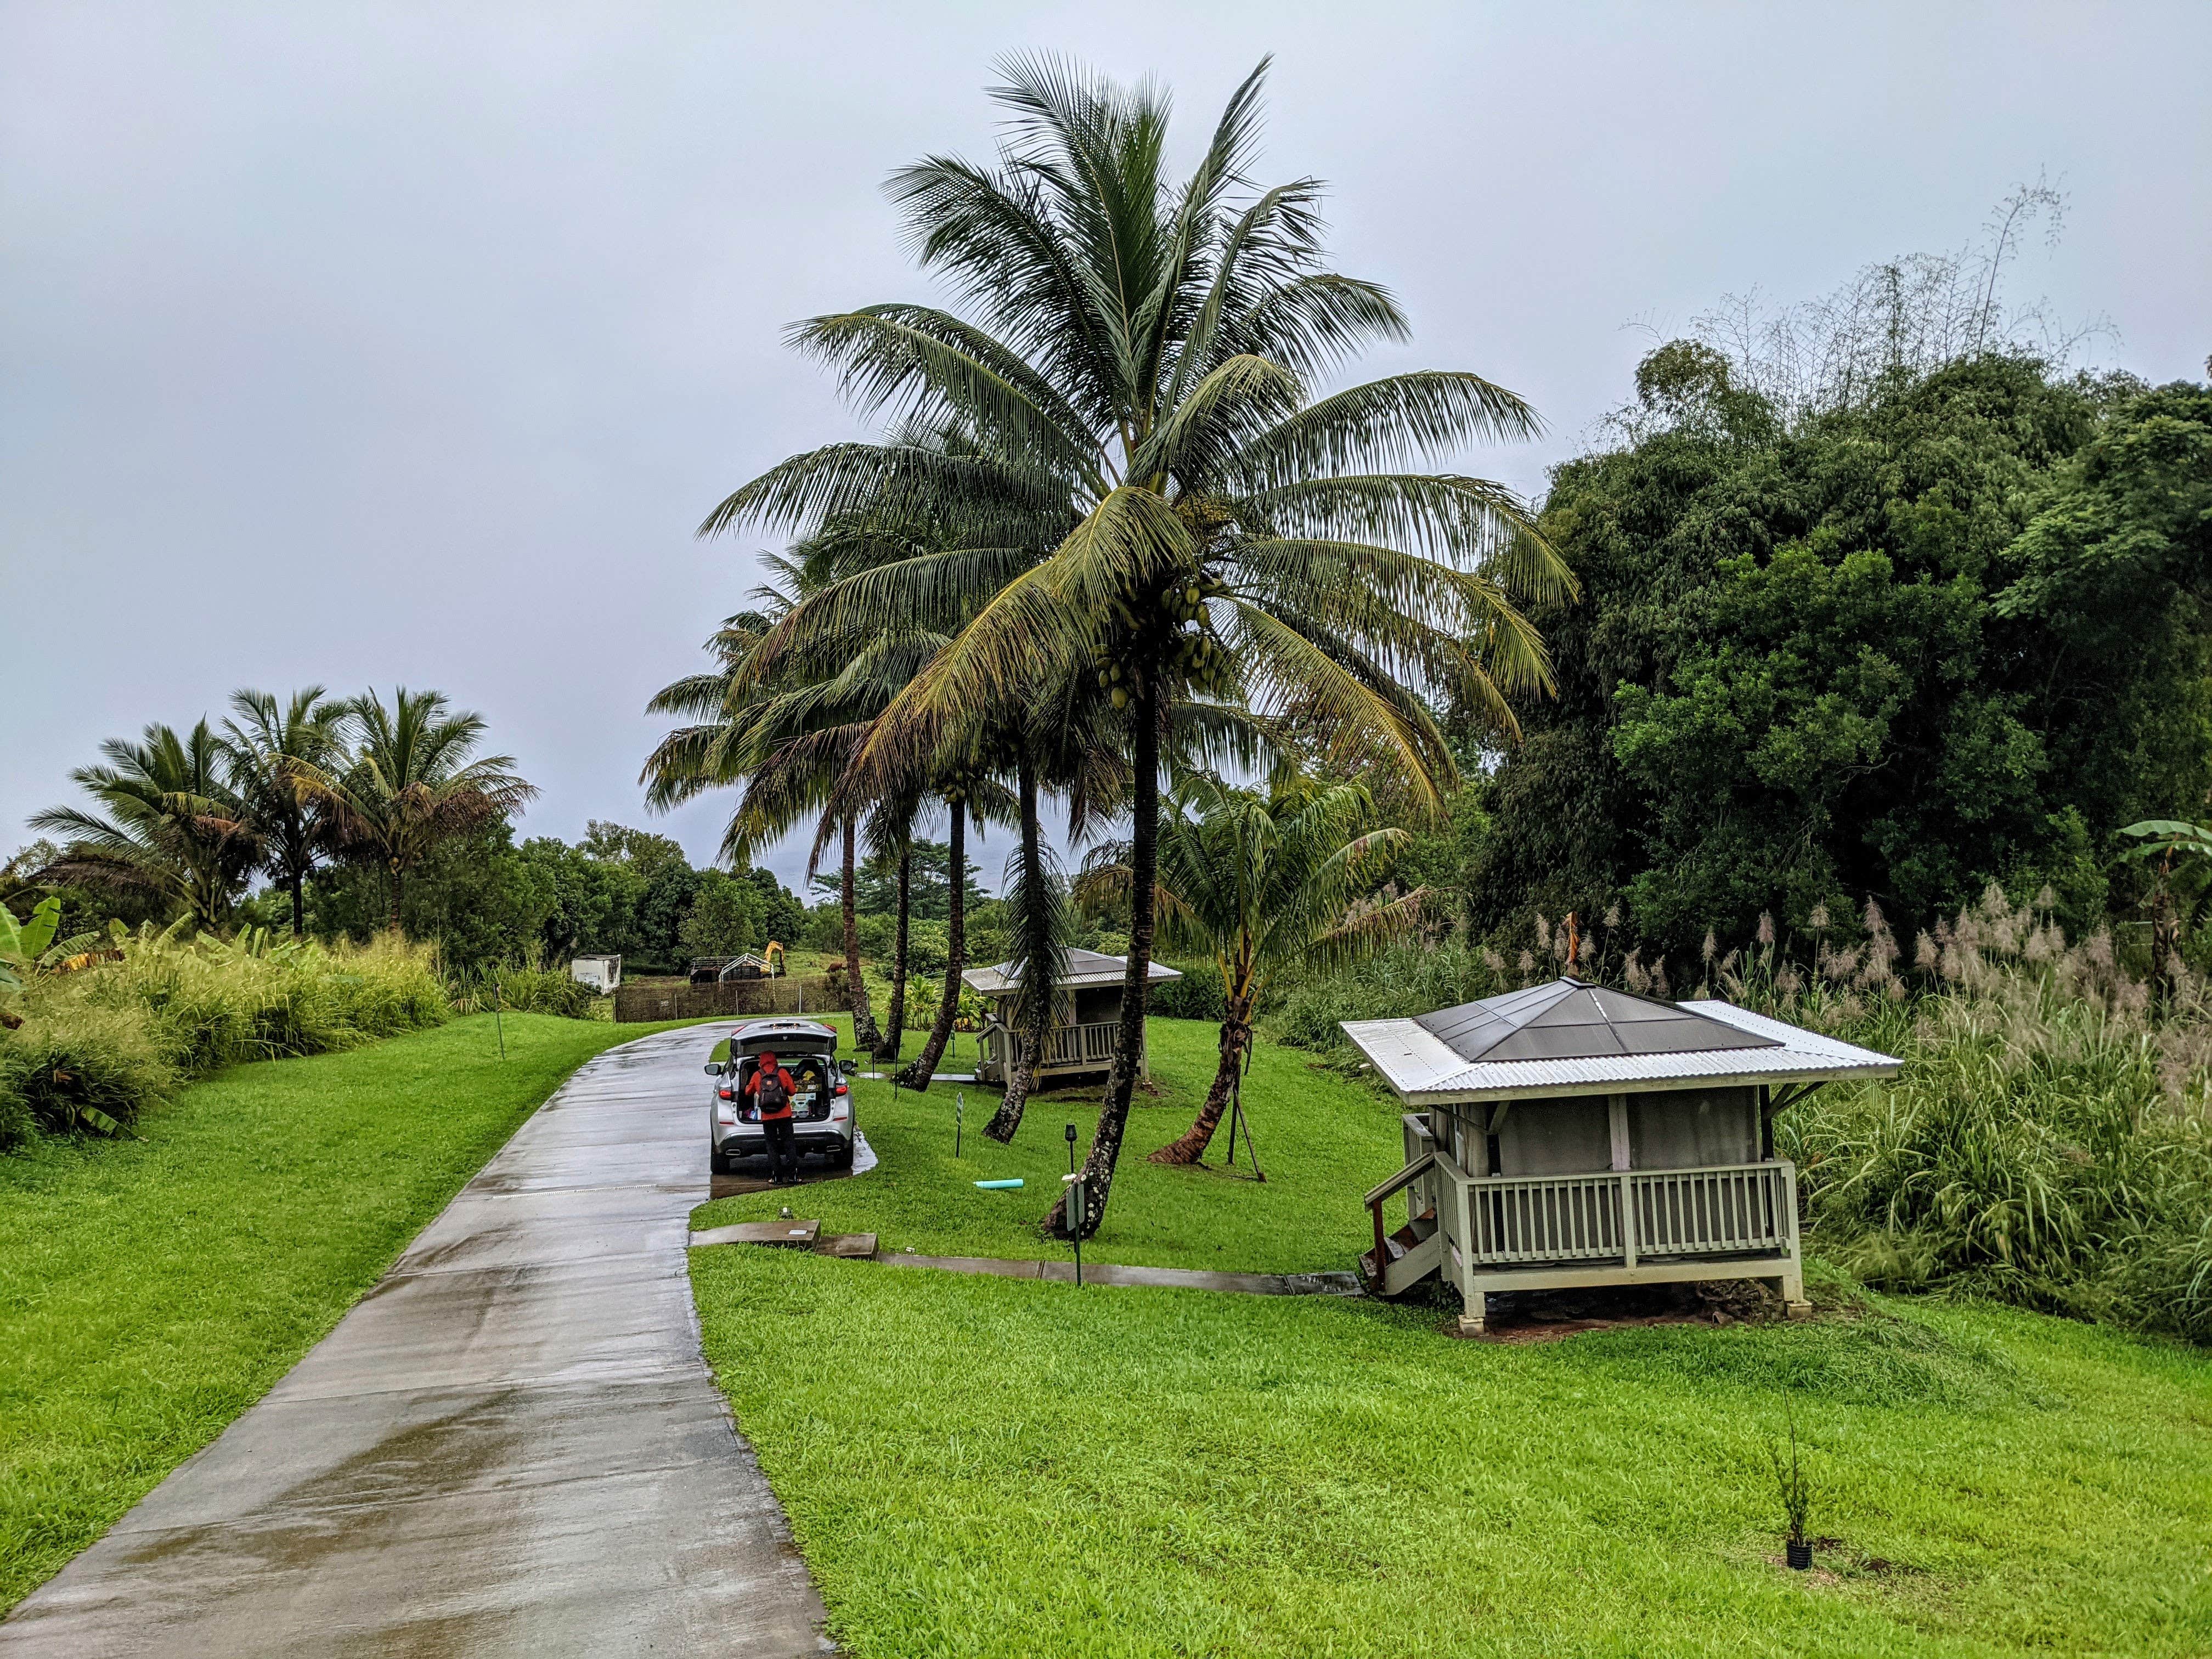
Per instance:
(269,750)
(1138,357)
(959,805)
(786,733)
(784,742)
(890,835)
(414,782)
(175,830)
(1263,884)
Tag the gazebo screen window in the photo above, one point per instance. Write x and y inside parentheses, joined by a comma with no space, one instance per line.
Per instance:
(1693,1129)
(1570,1134)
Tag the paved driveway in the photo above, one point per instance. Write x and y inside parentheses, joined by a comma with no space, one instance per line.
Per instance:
(511,1445)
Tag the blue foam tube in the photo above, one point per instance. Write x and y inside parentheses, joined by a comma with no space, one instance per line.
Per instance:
(998,1185)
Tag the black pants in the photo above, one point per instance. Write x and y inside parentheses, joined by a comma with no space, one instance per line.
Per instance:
(783,1146)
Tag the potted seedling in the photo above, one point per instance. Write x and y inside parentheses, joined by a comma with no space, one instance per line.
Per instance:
(1797,1493)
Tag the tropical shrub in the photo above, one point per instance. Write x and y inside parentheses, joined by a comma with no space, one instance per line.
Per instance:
(1197,995)
(76,1065)
(116,1021)
(525,991)
(925,996)
(2048,1142)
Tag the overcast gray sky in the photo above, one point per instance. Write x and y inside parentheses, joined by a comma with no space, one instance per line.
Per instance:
(364,344)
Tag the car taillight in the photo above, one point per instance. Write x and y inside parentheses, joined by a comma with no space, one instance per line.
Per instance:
(842,1090)
(726,1094)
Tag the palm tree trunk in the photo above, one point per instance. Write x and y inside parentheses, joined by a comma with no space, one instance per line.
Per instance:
(299,886)
(1128,1046)
(1190,1147)
(865,1034)
(917,1075)
(392,920)
(1033,1007)
(895,1021)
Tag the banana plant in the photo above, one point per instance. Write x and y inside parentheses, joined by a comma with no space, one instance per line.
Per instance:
(22,944)
(2161,842)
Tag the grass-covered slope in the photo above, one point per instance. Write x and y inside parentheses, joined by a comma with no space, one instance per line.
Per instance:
(1323,1142)
(152,1289)
(977,1466)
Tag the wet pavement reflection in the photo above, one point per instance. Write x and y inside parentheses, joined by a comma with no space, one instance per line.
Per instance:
(510,1445)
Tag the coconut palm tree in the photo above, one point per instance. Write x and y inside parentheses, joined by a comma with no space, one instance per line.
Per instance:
(783,744)
(890,835)
(175,830)
(786,733)
(269,751)
(1138,357)
(1264,883)
(413,782)
(958,793)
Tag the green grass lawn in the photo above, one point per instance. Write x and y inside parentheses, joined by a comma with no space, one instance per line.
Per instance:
(1323,1142)
(151,1290)
(976,1466)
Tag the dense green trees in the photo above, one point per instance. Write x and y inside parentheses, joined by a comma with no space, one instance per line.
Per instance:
(1951,633)
(489,901)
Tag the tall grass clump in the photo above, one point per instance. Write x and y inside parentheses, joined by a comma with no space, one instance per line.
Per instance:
(1408,978)
(525,991)
(2048,1140)
(114,1022)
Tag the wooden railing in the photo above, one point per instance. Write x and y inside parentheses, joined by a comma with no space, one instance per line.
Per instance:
(1545,1217)
(1082,1045)
(1744,1207)
(1740,1209)
(1065,1045)
(1376,1200)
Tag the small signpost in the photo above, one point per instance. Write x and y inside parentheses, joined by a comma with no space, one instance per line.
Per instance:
(959,1113)
(1071,1208)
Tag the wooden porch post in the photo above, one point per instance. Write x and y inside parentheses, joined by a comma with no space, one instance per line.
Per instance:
(1474,1302)
(1793,1272)
(1616,1107)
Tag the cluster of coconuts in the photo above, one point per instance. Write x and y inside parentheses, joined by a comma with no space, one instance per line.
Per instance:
(1193,652)
(1114,679)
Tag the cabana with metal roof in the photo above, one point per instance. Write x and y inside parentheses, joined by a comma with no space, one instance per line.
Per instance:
(1573,1134)
(1086,1015)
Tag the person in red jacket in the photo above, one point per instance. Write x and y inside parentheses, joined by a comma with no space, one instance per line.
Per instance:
(772,1088)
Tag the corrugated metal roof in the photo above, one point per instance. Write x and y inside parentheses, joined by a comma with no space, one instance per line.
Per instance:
(1085,969)
(1424,1070)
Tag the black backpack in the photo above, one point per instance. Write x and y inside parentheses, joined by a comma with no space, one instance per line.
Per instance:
(774,1097)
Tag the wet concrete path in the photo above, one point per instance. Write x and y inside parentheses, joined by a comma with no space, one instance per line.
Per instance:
(510,1446)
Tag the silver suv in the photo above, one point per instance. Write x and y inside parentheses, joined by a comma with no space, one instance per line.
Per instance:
(822,1119)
